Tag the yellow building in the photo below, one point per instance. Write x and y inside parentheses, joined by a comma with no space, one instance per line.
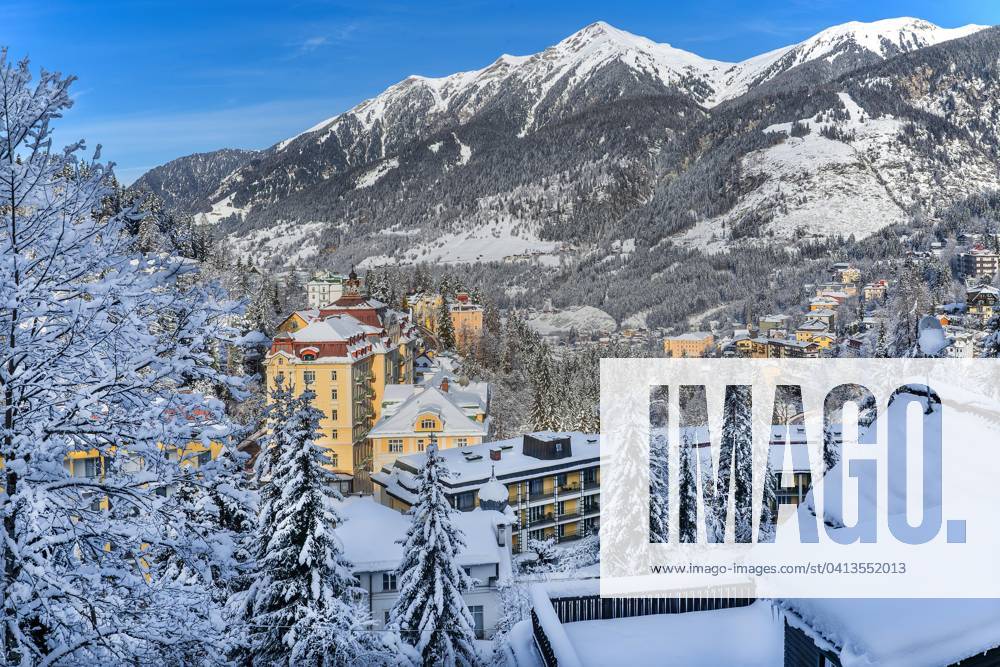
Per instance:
(692,344)
(553,482)
(982,301)
(466,316)
(346,352)
(457,416)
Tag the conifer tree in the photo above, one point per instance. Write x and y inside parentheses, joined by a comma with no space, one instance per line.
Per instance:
(301,605)
(445,327)
(688,496)
(735,462)
(542,415)
(659,477)
(430,612)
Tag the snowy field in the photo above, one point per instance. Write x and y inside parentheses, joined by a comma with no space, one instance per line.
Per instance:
(585,319)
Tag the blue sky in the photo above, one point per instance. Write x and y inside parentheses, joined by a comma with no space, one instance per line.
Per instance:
(159,79)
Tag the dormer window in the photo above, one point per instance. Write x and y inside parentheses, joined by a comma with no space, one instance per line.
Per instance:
(309,356)
(427,423)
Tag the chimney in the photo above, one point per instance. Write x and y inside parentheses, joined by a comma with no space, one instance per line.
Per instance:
(495,453)
(444,385)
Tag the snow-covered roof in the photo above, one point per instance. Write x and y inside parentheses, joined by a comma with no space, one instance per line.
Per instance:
(691,335)
(911,632)
(454,420)
(330,329)
(493,491)
(370,534)
(471,467)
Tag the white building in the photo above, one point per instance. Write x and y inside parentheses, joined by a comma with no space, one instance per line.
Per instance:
(325,289)
(371,534)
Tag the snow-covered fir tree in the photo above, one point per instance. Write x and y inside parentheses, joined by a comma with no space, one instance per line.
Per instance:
(659,477)
(301,607)
(687,529)
(430,612)
(102,349)
(445,327)
(543,416)
(735,463)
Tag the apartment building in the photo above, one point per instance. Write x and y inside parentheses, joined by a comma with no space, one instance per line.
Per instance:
(466,316)
(690,345)
(774,348)
(553,482)
(979,262)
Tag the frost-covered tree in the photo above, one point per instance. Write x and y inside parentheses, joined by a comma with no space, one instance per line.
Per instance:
(430,613)
(543,416)
(735,462)
(301,606)
(659,475)
(102,348)
(445,327)
(546,554)
(687,529)
(991,342)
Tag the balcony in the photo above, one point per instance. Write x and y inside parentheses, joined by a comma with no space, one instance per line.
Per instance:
(541,521)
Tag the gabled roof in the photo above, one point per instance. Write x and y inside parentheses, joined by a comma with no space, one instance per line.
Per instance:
(454,421)
(371,534)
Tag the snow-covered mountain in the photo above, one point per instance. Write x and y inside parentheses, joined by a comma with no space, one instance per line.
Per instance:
(850,42)
(607,147)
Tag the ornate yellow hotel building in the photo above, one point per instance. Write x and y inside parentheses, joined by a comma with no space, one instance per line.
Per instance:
(347,352)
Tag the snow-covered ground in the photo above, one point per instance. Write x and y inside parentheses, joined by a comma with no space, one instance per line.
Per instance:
(488,243)
(263,245)
(372,176)
(585,319)
(220,209)
(748,636)
(859,184)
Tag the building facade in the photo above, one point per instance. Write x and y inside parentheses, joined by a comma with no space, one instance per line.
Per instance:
(689,345)
(325,288)
(553,482)
(346,352)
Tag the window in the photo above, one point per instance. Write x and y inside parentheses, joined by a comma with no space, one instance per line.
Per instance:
(204,458)
(333,458)
(309,377)
(395,445)
(308,356)
(91,467)
(465,501)
(535,487)
(333,414)
(477,617)
(333,433)
(333,393)
(385,618)
(333,376)
(427,424)
(461,442)
(590,476)
(420,445)
(388,581)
